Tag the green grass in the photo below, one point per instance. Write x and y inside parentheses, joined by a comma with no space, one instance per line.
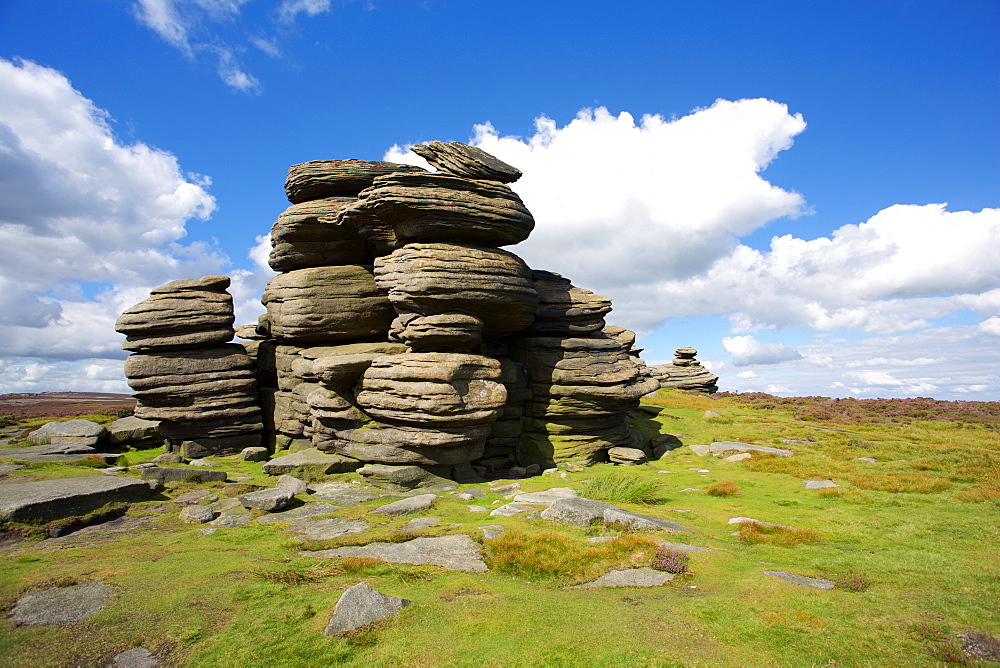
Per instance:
(910,542)
(620,485)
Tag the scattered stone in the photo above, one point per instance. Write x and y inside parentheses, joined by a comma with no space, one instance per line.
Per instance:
(802,580)
(547,497)
(579,512)
(135,432)
(342,493)
(518,471)
(53,499)
(627,456)
(113,470)
(792,441)
(254,454)
(413,504)
(361,605)
(401,478)
(207,463)
(325,529)
(682,547)
(507,488)
(721,448)
(464,497)
(267,499)
(232,518)
(299,512)
(167,458)
(456,552)
(630,577)
(292,485)
(421,523)
(737,458)
(491,531)
(139,657)
(207,531)
(198,496)
(710,414)
(820,484)
(310,464)
(9,468)
(64,452)
(510,509)
(198,514)
(61,605)
(169,474)
(980,645)
(639,522)
(477,509)
(870,460)
(552,471)
(70,432)
(750,520)
(692,489)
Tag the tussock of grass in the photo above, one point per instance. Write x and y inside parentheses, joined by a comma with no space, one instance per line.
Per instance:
(550,555)
(726,488)
(917,483)
(622,486)
(752,534)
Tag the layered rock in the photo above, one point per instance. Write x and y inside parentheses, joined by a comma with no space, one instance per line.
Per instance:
(319,179)
(309,234)
(469,162)
(201,388)
(566,309)
(686,373)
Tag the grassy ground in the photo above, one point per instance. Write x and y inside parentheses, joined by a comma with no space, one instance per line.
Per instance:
(912,540)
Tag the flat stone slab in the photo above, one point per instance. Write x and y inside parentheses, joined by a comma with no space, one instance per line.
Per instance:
(870,460)
(820,484)
(491,531)
(510,509)
(232,519)
(413,504)
(53,499)
(630,577)
(299,512)
(456,552)
(750,520)
(361,605)
(310,464)
(421,523)
(325,529)
(579,512)
(547,497)
(682,547)
(138,657)
(198,496)
(173,474)
(343,493)
(271,500)
(83,432)
(61,605)
(639,522)
(802,580)
(722,447)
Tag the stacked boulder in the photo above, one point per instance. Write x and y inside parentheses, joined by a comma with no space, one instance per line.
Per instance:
(184,371)
(686,373)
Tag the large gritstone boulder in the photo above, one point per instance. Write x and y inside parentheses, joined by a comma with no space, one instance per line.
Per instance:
(439,207)
(319,179)
(686,373)
(566,309)
(458,159)
(582,389)
(489,284)
(327,304)
(182,314)
(309,235)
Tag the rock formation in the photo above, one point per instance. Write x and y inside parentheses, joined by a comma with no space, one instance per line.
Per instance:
(186,374)
(399,332)
(686,373)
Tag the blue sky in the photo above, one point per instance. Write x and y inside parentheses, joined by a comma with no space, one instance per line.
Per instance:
(839,125)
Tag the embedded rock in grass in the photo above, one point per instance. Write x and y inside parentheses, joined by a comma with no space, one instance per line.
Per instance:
(456,552)
(310,464)
(267,499)
(342,493)
(681,547)
(511,509)
(720,448)
(420,523)
(196,513)
(802,580)
(61,605)
(413,504)
(750,520)
(639,522)
(577,511)
(69,432)
(546,497)
(169,474)
(401,478)
(631,577)
(195,497)
(135,432)
(65,497)
(257,454)
(820,484)
(361,605)
(737,458)
(319,179)
(325,529)
(627,456)
(292,485)
(302,512)
(138,657)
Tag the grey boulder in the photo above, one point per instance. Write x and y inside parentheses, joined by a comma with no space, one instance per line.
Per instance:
(61,605)
(361,605)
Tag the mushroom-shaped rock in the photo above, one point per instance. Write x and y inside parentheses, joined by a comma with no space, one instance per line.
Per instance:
(466,161)
(319,179)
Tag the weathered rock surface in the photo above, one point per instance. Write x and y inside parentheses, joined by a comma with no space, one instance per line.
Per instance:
(361,605)
(434,278)
(308,234)
(579,512)
(458,159)
(439,207)
(319,179)
(631,577)
(180,314)
(70,432)
(639,522)
(327,528)
(61,605)
(327,304)
(564,308)
(627,456)
(413,504)
(456,552)
(310,464)
(686,373)
(722,448)
(802,580)
(267,499)
(135,432)
(298,513)
(137,657)
(342,493)
(53,499)
(170,474)
(401,478)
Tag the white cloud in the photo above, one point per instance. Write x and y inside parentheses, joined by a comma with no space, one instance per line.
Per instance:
(746,375)
(290,9)
(88,224)
(991,326)
(747,350)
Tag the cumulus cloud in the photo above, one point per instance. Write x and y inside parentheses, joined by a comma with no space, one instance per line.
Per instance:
(747,350)
(290,9)
(88,224)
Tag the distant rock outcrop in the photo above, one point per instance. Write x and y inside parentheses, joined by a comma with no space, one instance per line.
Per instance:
(686,373)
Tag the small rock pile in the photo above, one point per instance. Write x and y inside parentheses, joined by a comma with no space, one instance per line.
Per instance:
(686,373)
(184,371)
